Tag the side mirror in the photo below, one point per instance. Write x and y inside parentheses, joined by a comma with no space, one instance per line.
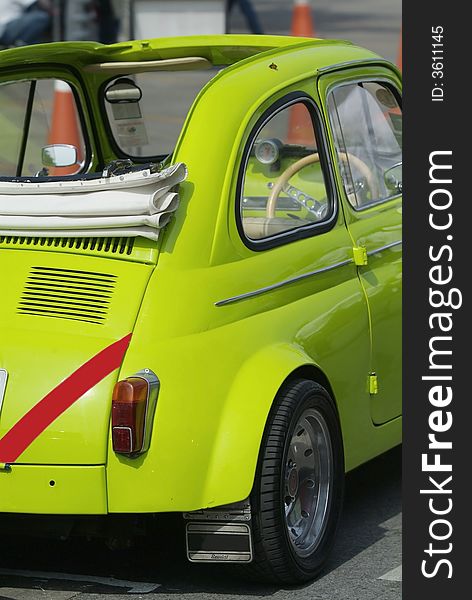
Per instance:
(59,155)
(393,178)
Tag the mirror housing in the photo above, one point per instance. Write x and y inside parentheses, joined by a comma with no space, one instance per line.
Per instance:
(393,178)
(123,90)
(59,155)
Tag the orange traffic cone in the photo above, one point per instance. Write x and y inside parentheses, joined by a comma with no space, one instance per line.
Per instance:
(65,125)
(302,19)
(400,51)
(300,126)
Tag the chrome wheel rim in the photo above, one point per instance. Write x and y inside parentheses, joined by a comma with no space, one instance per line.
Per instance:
(307,482)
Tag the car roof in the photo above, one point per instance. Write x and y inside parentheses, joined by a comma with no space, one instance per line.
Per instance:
(218,49)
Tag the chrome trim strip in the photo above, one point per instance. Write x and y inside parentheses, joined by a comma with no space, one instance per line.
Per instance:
(3,385)
(153,392)
(275,286)
(391,245)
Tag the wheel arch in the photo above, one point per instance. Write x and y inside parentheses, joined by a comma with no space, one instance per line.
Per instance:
(314,373)
(232,465)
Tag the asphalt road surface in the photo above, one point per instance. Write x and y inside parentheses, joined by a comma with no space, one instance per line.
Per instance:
(366,560)
(364,565)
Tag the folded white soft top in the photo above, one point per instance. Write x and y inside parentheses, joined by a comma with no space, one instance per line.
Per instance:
(133,204)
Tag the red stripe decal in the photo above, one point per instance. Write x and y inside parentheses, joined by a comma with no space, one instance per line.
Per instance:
(34,422)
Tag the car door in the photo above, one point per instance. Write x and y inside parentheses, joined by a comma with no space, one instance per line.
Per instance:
(364,113)
(296,266)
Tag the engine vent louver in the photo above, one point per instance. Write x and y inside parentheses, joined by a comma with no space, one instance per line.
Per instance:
(67,294)
(110,245)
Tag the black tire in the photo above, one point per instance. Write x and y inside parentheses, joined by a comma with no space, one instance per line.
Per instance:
(279,555)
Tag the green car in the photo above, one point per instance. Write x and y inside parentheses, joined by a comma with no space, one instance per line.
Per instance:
(200,256)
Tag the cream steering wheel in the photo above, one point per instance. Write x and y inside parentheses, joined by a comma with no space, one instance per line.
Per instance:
(282,181)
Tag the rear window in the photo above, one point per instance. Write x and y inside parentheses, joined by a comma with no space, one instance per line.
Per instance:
(33,115)
(150,126)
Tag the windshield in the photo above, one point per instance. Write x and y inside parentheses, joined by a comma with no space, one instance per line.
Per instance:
(34,114)
(147,123)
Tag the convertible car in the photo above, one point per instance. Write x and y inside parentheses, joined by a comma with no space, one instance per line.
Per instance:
(200,259)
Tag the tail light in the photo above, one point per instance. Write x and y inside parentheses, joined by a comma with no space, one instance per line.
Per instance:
(133,407)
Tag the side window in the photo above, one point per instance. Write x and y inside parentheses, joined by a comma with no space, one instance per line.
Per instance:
(35,114)
(367,125)
(284,186)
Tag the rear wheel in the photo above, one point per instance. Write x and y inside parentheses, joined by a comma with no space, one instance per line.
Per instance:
(298,490)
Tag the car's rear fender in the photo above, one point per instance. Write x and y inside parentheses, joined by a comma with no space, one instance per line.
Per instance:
(237,443)
(207,428)
(209,422)
(233,462)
